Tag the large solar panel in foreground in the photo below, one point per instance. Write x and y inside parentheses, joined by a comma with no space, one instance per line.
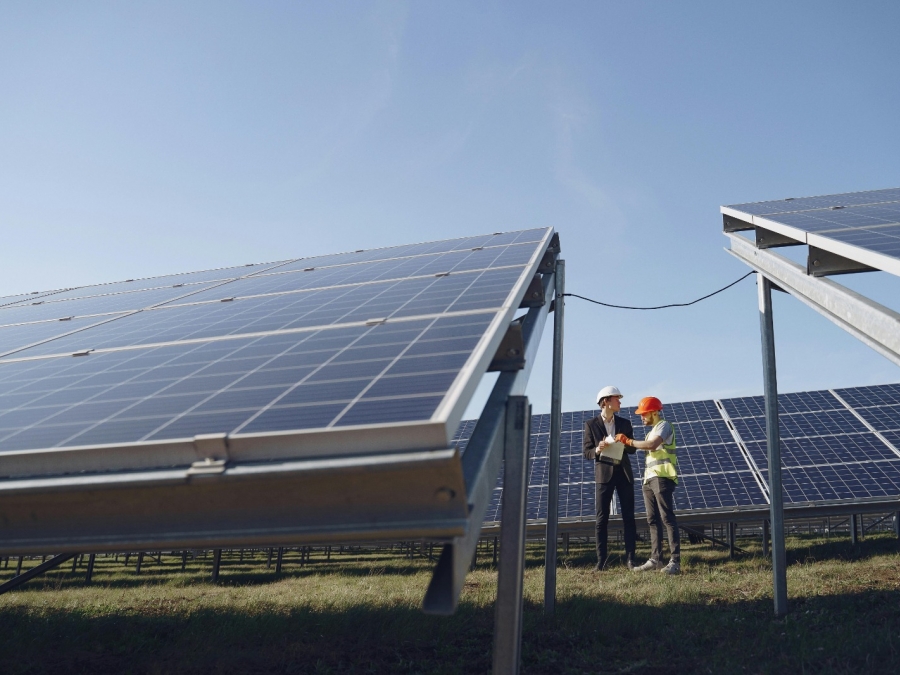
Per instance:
(863,226)
(355,352)
(836,445)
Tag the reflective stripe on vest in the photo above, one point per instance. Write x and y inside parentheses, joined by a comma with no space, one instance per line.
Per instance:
(662,462)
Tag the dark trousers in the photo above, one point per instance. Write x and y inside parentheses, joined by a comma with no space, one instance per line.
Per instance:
(623,487)
(659,501)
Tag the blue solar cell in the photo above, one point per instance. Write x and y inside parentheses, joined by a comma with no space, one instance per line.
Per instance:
(882,418)
(476,291)
(865,397)
(822,202)
(51,308)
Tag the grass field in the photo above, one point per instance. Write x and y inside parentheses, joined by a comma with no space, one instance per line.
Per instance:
(359,613)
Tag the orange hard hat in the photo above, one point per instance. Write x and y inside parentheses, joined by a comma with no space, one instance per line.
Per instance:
(648,404)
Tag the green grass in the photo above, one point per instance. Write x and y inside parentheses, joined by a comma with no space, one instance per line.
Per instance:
(360,613)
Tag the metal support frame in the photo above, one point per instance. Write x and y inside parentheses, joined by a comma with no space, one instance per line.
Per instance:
(731,546)
(897,524)
(89,573)
(45,566)
(770,388)
(854,530)
(820,263)
(555,429)
(510,575)
(870,322)
(765,539)
(481,465)
(217,561)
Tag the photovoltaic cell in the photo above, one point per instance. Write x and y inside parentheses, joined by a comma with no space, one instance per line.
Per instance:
(186,281)
(792,205)
(471,291)
(866,397)
(99,304)
(291,381)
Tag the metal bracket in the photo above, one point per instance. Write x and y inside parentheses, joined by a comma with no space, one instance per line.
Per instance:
(548,262)
(554,244)
(769,239)
(511,352)
(207,467)
(210,448)
(732,224)
(534,294)
(821,263)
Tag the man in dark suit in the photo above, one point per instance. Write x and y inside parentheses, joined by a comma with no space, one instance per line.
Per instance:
(612,475)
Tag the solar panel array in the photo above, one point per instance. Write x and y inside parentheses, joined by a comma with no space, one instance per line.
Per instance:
(324,343)
(869,221)
(841,444)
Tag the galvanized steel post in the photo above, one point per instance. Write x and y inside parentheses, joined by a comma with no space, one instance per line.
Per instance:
(770,388)
(555,428)
(508,611)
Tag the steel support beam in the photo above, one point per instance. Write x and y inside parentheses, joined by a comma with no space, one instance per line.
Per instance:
(765,539)
(555,428)
(510,575)
(821,263)
(45,566)
(770,388)
(854,530)
(872,323)
(217,562)
(89,574)
(481,465)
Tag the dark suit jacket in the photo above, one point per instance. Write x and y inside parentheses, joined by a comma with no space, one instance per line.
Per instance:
(594,432)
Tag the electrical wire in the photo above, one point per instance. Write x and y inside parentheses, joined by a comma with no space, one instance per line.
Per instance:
(679,304)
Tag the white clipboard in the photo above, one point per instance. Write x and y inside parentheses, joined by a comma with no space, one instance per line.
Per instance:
(613,450)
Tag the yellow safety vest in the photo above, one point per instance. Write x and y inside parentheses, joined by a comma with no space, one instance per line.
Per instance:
(662,462)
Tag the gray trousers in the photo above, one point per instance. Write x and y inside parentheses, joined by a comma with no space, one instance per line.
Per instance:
(659,502)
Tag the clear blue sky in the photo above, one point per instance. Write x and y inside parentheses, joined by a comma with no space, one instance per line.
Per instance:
(144,138)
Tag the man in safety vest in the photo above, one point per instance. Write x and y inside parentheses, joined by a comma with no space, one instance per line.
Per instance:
(660,479)
(612,471)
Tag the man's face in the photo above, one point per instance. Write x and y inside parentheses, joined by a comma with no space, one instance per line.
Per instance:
(612,403)
(647,419)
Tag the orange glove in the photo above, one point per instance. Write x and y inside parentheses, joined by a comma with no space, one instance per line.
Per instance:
(622,438)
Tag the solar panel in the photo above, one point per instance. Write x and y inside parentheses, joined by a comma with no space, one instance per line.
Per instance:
(825,453)
(296,358)
(862,226)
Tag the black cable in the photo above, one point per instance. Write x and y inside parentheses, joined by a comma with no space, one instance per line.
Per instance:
(680,304)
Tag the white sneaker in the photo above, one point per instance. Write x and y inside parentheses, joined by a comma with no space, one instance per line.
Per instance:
(648,566)
(672,568)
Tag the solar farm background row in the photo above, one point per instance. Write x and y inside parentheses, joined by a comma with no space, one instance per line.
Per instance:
(840,444)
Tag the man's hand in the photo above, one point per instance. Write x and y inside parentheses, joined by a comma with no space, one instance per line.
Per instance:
(622,438)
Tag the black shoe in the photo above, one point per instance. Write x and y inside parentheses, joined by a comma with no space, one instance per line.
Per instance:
(601,564)
(629,560)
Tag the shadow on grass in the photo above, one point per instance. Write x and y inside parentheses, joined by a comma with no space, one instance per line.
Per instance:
(588,635)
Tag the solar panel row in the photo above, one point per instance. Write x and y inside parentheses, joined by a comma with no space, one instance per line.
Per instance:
(827,452)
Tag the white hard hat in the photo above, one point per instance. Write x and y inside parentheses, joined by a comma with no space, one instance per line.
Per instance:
(608,391)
